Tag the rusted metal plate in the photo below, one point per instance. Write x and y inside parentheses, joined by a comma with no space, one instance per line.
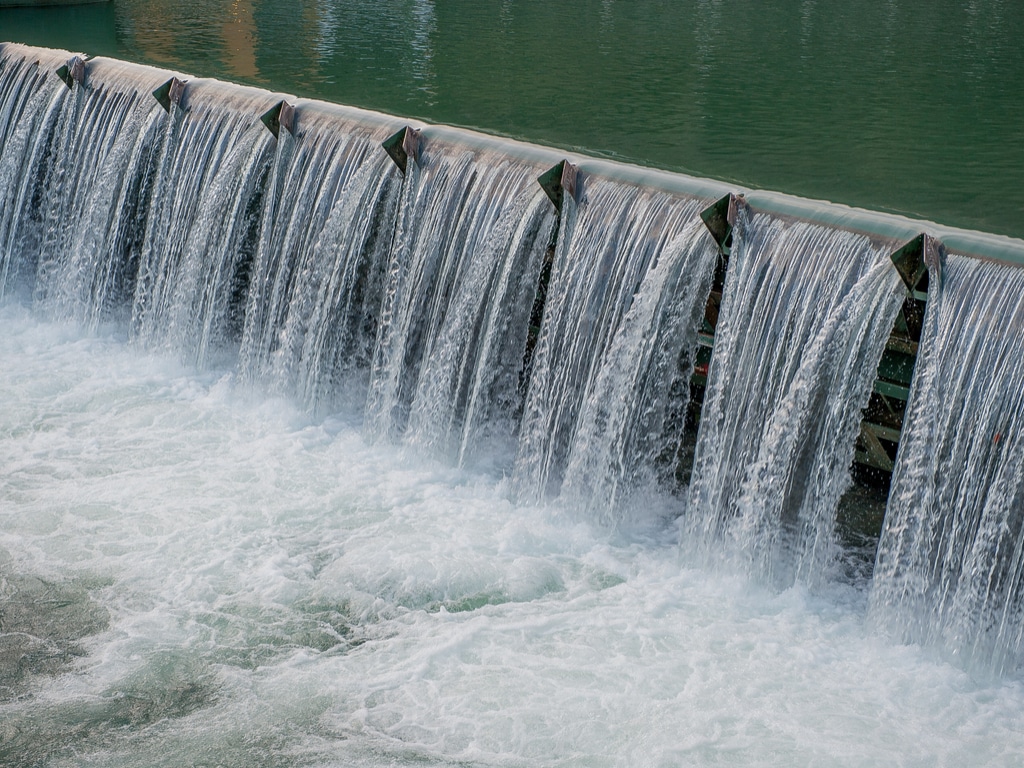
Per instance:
(402,145)
(561,178)
(170,93)
(280,115)
(73,72)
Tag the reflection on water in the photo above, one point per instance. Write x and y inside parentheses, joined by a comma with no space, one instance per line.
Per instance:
(422,49)
(240,40)
(323,24)
(74,27)
(155,32)
(907,105)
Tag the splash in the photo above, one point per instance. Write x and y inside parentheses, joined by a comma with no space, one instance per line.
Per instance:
(951,555)
(806,313)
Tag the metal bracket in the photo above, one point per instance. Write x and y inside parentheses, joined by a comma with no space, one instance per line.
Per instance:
(874,453)
(171,92)
(560,179)
(402,145)
(720,218)
(281,115)
(73,72)
(913,260)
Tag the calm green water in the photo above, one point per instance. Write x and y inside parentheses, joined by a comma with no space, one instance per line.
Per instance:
(913,106)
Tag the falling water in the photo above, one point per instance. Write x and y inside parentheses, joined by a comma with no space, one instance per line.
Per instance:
(83,165)
(319,271)
(806,314)
(27,108)
(630,428)
(196,229)
(463,274)
(630,277)
(202,226)
(204,559)
(951,556)
(326,225)
(321,346)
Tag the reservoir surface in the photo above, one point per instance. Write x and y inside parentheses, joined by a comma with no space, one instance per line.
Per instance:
(909,106)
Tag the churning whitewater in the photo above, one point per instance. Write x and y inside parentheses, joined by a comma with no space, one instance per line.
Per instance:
(199,577)
(312,458)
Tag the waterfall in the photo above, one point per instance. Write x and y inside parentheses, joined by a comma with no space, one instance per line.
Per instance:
(322,348)
(197,230)
(951,556)
(30,103)
(805,317)
(329,196)
(630,277)
(631,423)
(468,250)
(82,162)
(202,228)
(319,271)
(454,308)
(307,262)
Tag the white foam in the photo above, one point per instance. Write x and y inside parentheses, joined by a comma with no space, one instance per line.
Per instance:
(329,602)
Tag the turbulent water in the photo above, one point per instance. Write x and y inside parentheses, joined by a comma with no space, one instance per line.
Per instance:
(806,314)
(630,282)
(309,460)
(220,580)
(951,556)
(463,274)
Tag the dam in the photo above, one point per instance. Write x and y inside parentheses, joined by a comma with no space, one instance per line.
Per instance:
(570,341)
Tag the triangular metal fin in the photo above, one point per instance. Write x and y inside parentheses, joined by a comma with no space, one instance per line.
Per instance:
(72,72)
(170,93)
(562,178)
(913,259)
(286,117)
(281,115)
(402,145)
(720,218)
